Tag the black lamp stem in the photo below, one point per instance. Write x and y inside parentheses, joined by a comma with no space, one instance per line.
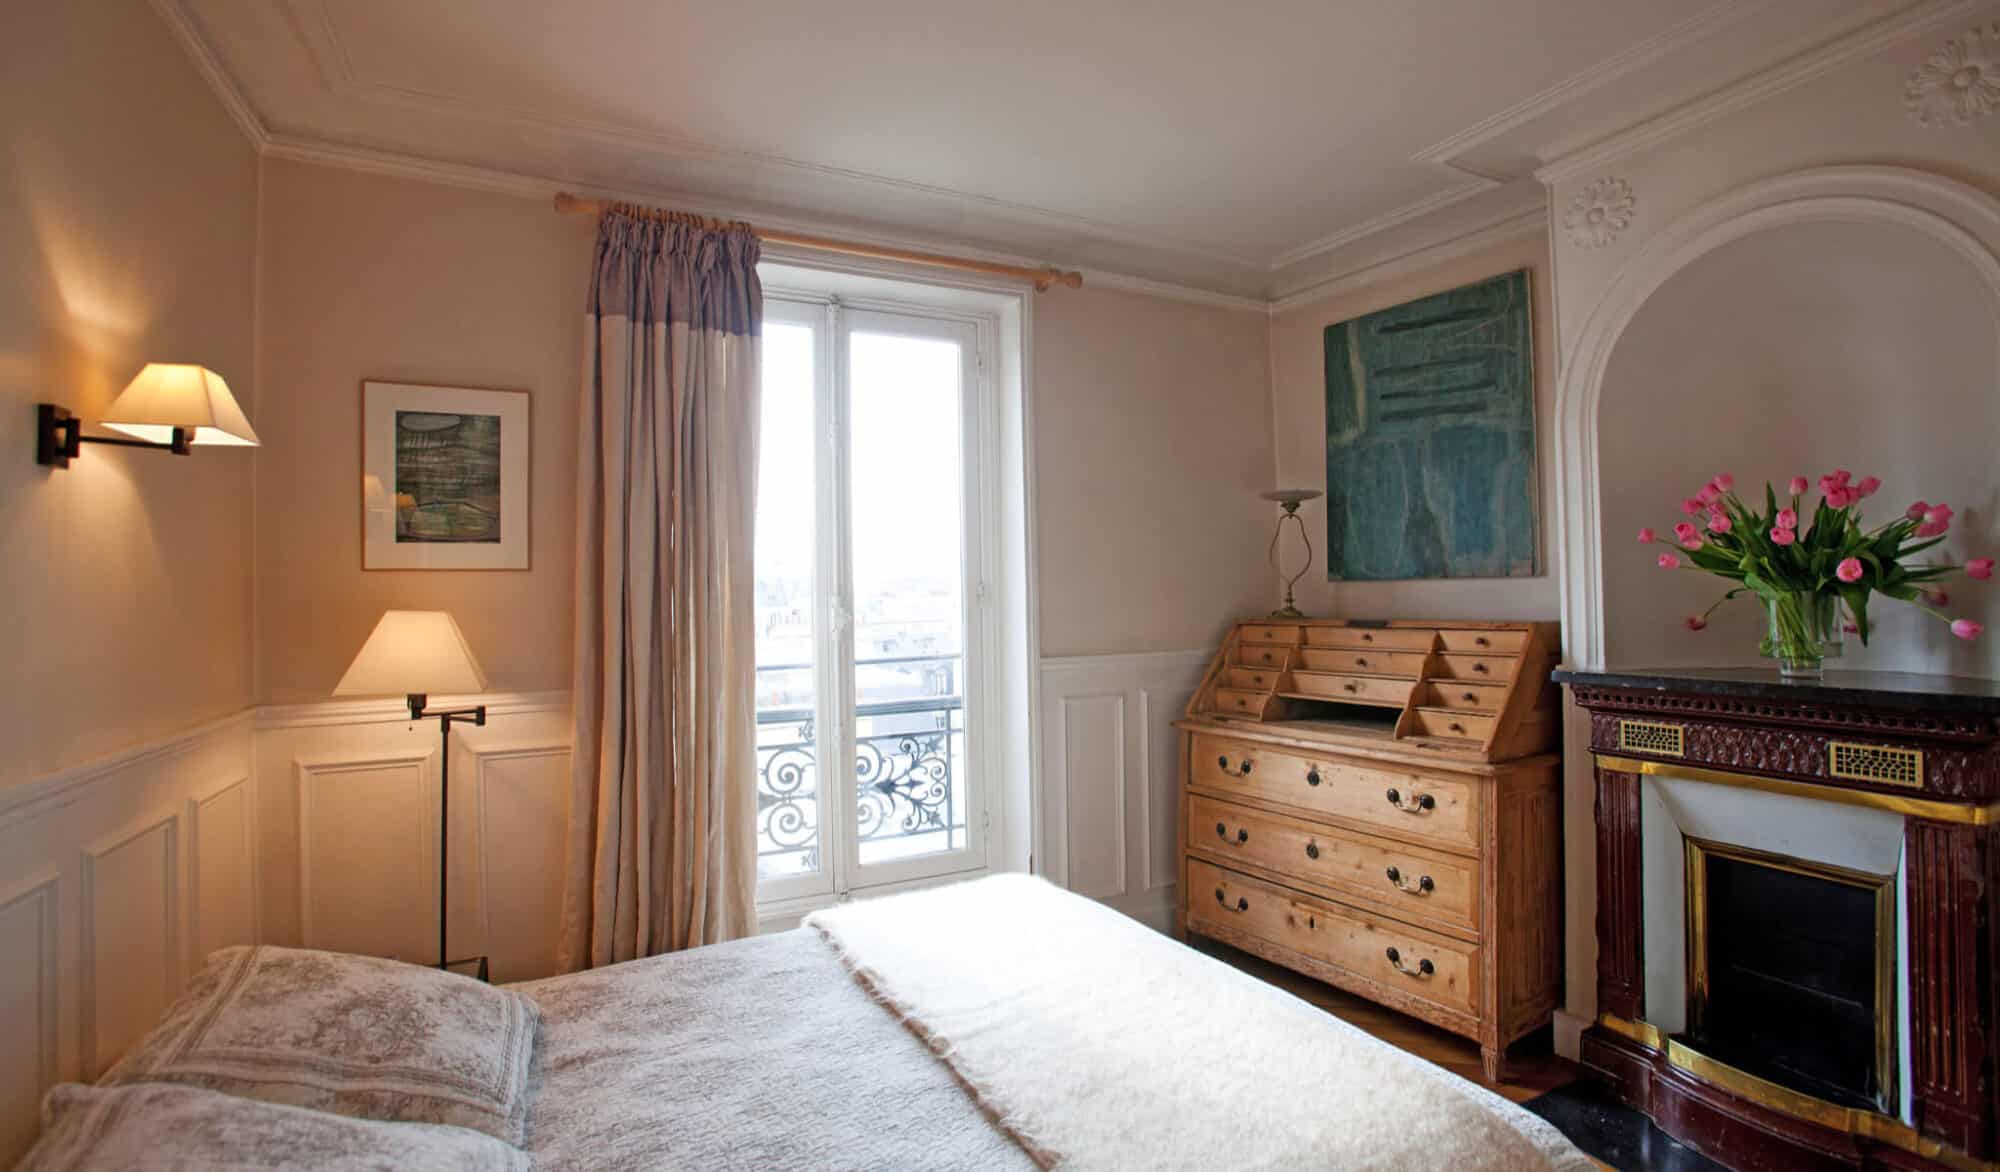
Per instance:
(477,715)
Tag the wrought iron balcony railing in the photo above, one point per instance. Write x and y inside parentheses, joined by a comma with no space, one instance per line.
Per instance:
(909,759)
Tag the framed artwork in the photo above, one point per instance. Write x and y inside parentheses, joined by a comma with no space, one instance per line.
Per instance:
(1430,438)
(444,478)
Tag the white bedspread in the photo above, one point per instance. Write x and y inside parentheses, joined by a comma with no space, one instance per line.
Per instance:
(1100,1044)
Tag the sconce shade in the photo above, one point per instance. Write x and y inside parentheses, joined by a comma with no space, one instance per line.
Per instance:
(413,652)
(166,395)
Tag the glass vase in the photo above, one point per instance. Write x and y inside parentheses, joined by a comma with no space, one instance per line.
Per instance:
(1804,632)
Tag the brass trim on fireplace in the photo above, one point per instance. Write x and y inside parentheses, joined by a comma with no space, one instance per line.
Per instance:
(1883,887)
(1927,808)
(1769,1095)
(1881,764)
(1652,736)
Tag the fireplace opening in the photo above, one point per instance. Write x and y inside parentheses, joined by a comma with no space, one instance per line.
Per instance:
(1791,972)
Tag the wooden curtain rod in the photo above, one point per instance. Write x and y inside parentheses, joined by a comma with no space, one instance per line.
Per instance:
(1042,278)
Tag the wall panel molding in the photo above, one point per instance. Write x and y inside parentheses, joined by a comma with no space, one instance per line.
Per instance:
(29,968)
(131,956)
(45,795)
(221,842)
(414,790)
(524,944)
(1109,781)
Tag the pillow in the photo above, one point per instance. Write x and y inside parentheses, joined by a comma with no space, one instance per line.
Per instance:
(355,1035)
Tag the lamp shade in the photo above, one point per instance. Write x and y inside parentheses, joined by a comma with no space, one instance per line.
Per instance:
(166,395)
(413,652)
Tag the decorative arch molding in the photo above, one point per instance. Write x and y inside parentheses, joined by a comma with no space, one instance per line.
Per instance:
(1957,215)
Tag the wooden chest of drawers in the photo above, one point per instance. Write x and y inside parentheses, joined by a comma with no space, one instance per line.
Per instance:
(1374,805)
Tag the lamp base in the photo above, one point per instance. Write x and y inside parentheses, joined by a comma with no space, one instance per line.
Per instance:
(1288,612)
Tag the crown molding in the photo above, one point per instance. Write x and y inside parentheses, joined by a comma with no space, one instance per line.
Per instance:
(1415,209)
(1690,32)
(1788,74)
(195,45)
(1125,283)
(1515,225)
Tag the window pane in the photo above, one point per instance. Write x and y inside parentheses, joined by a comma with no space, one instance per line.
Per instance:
(907,474)
(787,771)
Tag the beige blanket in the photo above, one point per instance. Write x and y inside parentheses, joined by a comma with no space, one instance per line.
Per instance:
(1100,1044)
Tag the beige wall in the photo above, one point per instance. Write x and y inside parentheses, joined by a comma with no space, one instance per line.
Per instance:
(1152,441)
(127,217)
(1298,390)
(1151,428)
(370,277)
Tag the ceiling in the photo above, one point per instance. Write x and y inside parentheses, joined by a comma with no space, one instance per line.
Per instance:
(1237,148)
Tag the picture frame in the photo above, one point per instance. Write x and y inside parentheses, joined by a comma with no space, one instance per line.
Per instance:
(444,477)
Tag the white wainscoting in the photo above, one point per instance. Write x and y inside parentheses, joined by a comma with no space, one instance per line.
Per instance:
(1109,776)
(116,873)
(348,805)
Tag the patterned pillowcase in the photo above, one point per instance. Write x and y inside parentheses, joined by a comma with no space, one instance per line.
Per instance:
(355,1035)
(158,1126)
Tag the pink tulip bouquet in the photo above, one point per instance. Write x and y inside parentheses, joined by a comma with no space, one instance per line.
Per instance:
(1815,573)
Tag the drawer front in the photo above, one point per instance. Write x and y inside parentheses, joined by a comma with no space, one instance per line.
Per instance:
(1270,633)
(1471,697)
(1461,726)
(1496,669)
(1434,811)
(1410,960)
(1263,655)
(1485,642)
(1241,703)
(1370,638)
(1407,880)
(1409,664)
(1253,679)
(1356,689)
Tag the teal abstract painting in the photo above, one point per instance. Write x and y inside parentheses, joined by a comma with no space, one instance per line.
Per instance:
(1430,438)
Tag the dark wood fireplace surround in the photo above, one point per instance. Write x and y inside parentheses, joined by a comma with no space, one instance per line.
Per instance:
(1745,727)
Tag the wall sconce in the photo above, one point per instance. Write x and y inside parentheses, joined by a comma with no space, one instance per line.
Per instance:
(170,406)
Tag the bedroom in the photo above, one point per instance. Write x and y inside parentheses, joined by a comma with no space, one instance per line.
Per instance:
(1756,236)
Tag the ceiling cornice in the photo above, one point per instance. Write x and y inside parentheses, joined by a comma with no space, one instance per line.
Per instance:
(1794,71)
(1514,225)
(211,68)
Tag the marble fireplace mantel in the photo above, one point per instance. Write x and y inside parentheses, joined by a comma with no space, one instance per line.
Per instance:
(1922,751)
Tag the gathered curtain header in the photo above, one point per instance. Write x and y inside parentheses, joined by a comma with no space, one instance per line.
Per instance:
(665,267)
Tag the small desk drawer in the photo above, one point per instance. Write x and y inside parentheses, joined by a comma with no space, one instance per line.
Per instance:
(1237,703)
(1252,679)
(1433,810)
(1462,726)
(1397,956)
(1270,633)
(1496,669)
(1263,655)
(1458,694)
(1484,642)
(1408,664)
(1408,881)
(1371,638)
(1353,689)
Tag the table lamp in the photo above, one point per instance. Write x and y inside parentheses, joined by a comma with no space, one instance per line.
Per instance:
(1289,499)
(415,653)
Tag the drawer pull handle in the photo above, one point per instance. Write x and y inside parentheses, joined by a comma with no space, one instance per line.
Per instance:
(1312,775)
(1222,832)
(1361,661)
(1424,967)
(1242,904)
(1243,772)
(1367,638)
(1312,850)
(1469,697)
(1456,727)
(1480,668)
(1423,885)
(1417,803)
(1350,686)
(1480,641)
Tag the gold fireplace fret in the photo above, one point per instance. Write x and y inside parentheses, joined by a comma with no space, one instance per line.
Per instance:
(1883,887)
(1927,808)
(1769,1095)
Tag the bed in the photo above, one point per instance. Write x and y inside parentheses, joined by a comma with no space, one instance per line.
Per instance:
(996,1024)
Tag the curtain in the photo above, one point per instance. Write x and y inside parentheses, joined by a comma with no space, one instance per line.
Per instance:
(662,834)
